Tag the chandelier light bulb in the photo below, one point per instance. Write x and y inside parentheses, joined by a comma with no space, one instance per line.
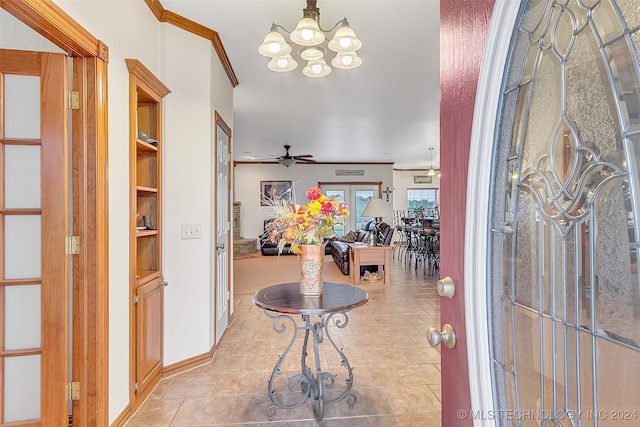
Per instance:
(274,47)
(306,34)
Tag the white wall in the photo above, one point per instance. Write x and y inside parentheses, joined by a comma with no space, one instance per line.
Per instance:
(189,66)
(402,180)
(303,176)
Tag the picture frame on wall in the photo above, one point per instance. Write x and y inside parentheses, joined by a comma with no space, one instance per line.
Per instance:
(274,190)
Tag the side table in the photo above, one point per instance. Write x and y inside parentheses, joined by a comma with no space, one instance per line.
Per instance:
(331,307)
(368,255)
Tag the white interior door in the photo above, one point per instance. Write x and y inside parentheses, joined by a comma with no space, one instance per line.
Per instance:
(33,228)
(564,219)
(223,241)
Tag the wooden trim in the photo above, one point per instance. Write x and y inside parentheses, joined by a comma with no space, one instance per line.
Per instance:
(54,24)
(50,21)
(146,77)
(91,210)
(187,364)
(378,183)
(121,420)
(55,273)
(193,27)
(254,162)
(22,63)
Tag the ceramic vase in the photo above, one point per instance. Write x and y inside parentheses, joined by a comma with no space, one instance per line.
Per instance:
(311,261)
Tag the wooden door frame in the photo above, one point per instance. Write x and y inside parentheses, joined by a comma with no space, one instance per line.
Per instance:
(90,202)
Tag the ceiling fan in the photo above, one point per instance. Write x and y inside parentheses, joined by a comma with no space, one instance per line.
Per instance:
(288,160)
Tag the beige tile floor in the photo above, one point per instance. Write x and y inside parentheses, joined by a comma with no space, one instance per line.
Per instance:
(396,373)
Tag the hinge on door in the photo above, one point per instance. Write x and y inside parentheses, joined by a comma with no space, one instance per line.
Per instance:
(135,386)
(135,299)
(73,245)
(73,391)
(74,100)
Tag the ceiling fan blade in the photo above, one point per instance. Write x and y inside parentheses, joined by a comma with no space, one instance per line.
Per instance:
(305,160)
(302,156)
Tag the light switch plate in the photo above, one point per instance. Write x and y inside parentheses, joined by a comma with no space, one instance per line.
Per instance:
(190,231)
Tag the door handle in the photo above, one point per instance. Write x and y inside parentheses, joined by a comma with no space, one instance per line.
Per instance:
(219,245)
(447,336)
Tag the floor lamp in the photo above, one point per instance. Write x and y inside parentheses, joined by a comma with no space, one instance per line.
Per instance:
(376,209)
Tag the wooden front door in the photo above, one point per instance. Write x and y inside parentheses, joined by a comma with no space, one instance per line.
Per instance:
(34,326)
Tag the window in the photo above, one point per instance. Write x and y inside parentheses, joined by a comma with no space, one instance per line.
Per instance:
(426,198)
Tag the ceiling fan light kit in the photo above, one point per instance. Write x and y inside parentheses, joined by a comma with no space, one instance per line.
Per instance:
(289,159)
(310,36)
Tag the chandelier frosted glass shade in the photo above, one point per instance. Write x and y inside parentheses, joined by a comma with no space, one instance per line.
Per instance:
(316,68)
(282,64)
(274,44)
(346,61)
(307,33)
(345,40)
(314,45)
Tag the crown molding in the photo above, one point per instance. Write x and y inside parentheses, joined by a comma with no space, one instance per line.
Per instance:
(164,15)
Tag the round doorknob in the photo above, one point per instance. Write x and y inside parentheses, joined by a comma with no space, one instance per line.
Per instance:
(446,287)
(447,336)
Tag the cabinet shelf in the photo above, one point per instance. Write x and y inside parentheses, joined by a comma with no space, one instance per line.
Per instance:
(146,233)
(145,146)
(141,189)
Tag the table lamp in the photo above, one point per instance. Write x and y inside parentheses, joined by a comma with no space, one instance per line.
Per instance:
(376,209)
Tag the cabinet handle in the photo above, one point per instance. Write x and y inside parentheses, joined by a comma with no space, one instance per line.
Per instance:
(165,284)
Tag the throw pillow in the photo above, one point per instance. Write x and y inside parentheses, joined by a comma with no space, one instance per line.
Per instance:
(350,237)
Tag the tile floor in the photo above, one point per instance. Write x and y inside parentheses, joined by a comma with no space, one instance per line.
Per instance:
(396,373)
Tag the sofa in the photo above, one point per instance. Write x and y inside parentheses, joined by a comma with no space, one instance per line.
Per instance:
(267,247)
(339,247)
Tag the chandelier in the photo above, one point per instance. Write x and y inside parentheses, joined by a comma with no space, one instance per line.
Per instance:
(431,171)
(311,38)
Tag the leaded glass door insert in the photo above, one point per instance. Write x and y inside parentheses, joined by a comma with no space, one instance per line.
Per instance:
(565,298)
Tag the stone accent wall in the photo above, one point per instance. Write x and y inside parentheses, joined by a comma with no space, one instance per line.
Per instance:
(240,244)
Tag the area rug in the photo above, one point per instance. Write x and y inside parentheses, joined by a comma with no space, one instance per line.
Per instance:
(253,273)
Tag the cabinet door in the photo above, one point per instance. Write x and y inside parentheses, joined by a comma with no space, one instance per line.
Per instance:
(149,336)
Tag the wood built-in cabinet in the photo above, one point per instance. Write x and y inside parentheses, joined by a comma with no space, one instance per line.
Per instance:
(146,280)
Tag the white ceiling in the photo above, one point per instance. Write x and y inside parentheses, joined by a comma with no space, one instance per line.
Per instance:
(386,110)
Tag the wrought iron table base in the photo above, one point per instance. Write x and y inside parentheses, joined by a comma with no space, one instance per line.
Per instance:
(311,385)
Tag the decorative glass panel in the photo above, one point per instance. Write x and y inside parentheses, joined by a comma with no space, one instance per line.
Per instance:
(22,317)
(21,388)
(22,106)
(22,256)
(22,176)
(565,297)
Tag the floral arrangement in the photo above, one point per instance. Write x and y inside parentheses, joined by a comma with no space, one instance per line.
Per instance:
(306,224)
